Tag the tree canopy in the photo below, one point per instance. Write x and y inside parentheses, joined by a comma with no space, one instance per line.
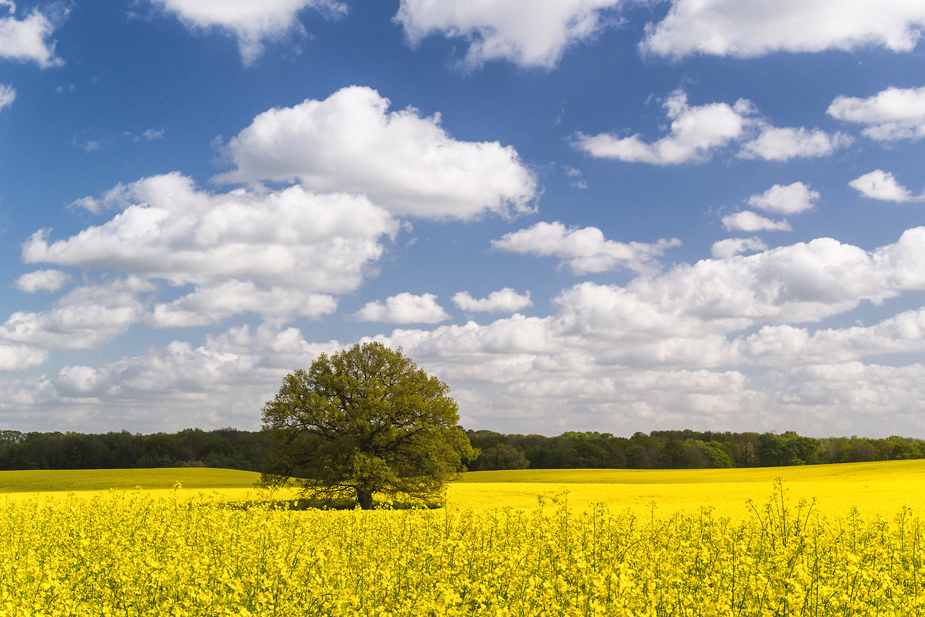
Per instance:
(363,421)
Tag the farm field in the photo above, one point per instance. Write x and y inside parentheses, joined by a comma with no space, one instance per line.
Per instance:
(872,488)
(162,551)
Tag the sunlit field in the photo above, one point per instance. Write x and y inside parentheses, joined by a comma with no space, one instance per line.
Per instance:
(870,487)
(509,543)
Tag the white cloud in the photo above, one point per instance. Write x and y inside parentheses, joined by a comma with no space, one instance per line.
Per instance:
(584,250)
(730,247)
(219,383)
(44,280)
(15,358)
(404,308)
(84,318)
(406,163)
(791,199)
(759,27)
(251,22)
(783,144)
(533,34)
(665,349)
(504,301)
(290,239)
(27,39)
(892,114)
(152,134)
(882,185)
(575,178)
(695,132)
(89,204)
(7,95)
(784,344)
(214,304)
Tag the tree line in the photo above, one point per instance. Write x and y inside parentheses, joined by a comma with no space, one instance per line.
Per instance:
(685,449)
(247,450)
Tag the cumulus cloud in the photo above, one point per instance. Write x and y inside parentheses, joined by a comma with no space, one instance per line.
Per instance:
(730,247)
(84,318)
(666,348)
(785,344)
(526,33)
(218,383)
(169,229)
(783,144)
(252,23)
(791,199)
(44,280)
(7,95)
(882,185)
(584,249)
(402,161)
(695,132)
(280,254)
(213,304)
(404,308)
(15,358)
(504,301)
(890,115)
(26,40)
(759,27)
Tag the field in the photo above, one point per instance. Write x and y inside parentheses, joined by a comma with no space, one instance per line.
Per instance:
(505,545)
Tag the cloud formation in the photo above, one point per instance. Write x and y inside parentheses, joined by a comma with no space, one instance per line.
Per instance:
(214,304)
(7,95)
(783,144)
(730,247)
(584,249)
(749,221)
(890,115)
(252,23)
(235,247)
(665,348)
(404,308)
(499,30)
(16,358)
(760,27)
(42,280)
(84,318)
(26,40)
(695,132)
(882,185)
(791,199)
(400,160)
(503,301)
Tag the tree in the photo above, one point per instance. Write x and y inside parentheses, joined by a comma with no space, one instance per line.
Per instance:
(365,420)
(502,456)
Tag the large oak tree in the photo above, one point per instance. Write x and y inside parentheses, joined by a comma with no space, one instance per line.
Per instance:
(364,421)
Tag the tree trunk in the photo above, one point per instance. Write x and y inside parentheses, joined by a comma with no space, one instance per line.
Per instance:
(364,497)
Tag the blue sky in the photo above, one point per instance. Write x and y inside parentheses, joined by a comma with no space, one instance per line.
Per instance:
(581,214)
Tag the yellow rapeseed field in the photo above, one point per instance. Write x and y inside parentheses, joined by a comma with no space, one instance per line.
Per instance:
(183,552)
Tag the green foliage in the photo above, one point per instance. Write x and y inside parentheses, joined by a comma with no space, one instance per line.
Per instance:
(501,456)
(364,421)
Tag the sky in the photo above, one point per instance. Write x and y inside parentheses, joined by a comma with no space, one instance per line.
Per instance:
(582,215)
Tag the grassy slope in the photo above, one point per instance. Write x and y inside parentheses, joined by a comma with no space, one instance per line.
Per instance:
(125,479)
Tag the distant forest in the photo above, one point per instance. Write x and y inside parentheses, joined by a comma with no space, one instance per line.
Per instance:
(234,449)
